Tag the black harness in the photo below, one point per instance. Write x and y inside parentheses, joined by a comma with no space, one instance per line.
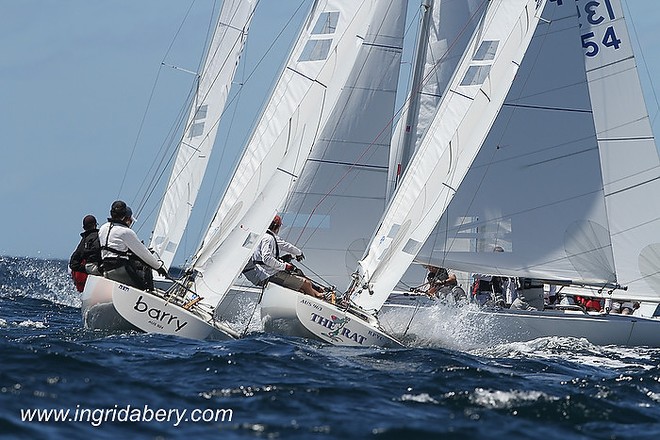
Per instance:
(122,257)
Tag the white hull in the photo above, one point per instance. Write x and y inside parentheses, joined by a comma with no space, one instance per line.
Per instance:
(98,312)
(504,326)
(109,305)
(293,313)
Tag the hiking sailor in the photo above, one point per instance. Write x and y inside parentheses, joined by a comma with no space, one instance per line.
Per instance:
(125,258)
(267,265)
(441,283)
(86,259)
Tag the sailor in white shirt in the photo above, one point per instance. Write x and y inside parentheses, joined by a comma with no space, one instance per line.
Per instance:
(266,264)
(124,257)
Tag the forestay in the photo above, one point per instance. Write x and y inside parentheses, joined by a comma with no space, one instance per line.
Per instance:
(459,128)
(302,101)
(199,135)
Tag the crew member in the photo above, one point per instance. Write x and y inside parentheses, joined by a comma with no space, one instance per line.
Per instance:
(125,258)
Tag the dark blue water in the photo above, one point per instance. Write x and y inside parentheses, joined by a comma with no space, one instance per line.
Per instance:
(267,386)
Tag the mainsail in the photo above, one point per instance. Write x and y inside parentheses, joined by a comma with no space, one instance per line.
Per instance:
(338,34)
(467,111)
(336,203)
(199,135)
(565,204)
(628,153)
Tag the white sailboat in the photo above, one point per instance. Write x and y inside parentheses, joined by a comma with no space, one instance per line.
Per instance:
(336,204)
(563,182)
(466,111)
(212,89)
(326,66)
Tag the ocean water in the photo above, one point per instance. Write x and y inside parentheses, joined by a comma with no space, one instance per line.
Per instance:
(270,387)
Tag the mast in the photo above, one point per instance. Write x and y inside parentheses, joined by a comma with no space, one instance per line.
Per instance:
(405,152)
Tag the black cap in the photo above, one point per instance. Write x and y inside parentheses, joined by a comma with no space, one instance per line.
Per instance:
(119,210)
(89,222)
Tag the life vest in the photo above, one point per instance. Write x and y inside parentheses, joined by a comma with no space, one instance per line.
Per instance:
(590,304)
(79,279)
(487,283)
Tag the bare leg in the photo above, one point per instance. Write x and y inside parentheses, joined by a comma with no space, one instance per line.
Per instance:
(309,290)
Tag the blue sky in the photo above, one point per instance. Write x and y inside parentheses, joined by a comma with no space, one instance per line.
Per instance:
(76,78)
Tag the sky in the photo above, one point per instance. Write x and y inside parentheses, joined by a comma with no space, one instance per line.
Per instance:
(85,105)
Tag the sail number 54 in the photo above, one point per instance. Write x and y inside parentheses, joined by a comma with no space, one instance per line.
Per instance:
(595,15)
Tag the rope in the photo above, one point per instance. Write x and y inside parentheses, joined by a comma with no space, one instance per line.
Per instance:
(247,326)
(411,318)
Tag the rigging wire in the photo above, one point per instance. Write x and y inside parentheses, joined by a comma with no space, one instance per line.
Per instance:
(149,101)
(173,137)
(235,96)
(235,99)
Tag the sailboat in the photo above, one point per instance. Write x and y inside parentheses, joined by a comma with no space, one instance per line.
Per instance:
(562,184)
(324,69)
(462,120)
(212,90)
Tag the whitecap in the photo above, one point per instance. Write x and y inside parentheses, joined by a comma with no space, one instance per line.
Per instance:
(496,399)
(33,324)
(42,279)
(419,398)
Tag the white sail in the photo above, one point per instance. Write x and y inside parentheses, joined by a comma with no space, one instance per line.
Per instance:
(628,154)
(467,111)
(544,198)
(346,171)
(301,103)
(530,176)
(447,27)
(201,127)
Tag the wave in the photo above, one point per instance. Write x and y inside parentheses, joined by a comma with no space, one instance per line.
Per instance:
(38,279)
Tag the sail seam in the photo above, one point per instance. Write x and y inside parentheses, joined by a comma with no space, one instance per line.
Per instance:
(337,162)
(543,107)
(613,63)
(637,185)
